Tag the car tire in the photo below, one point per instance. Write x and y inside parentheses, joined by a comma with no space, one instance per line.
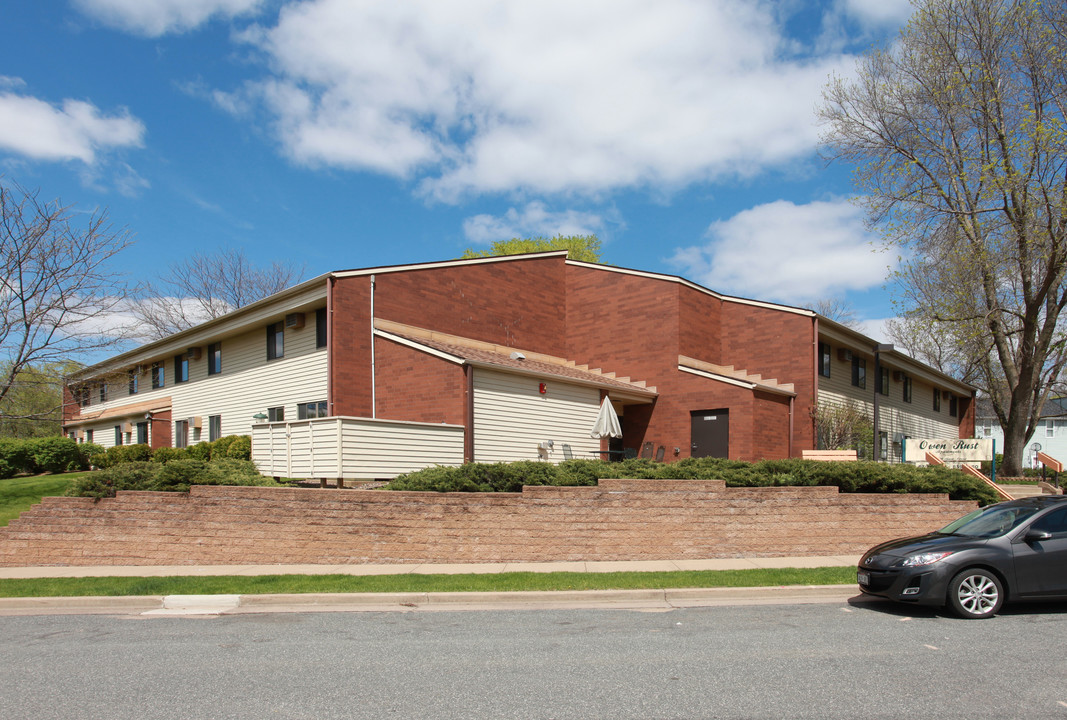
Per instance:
(976,594)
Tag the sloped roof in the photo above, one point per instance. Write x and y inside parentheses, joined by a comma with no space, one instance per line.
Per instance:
(474,352)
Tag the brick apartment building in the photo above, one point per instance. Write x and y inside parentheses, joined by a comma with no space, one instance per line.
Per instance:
(373,372)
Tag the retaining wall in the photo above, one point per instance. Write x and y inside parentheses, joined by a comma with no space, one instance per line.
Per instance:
(617,520)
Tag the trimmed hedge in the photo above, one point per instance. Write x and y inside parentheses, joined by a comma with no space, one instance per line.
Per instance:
(236,447)
(176,475)
(853,477)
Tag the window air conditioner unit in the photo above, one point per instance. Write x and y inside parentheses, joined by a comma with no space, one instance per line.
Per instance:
(899,438)
(193,353)
(844,355)
(196,422)
(127,427)
(294,321)
(898,375)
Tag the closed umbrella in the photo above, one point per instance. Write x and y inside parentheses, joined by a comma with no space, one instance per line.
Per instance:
(607,422)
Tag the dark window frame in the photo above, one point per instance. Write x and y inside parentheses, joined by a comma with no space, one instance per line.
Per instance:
(276,341)
(134,383)
(907,389)
(311,410)
(214,427)
(181,368)
(320,328)
(859,372)
(953,405)
(181,433)
(883,381)
(103,392)
(937,400)
(159,376)
(276,414)
(118,435)
(825,359)
(214,358)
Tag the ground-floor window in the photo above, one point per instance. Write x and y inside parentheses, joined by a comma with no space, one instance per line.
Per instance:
(118,434)
(142,433)
(307,411)
(276,414)
(214,427)
(181,433)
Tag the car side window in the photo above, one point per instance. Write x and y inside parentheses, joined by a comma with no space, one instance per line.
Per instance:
(1055,522)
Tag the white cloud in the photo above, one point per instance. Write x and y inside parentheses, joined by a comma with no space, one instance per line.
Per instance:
(786,252)
(74,130)
(476,96)
(531,221)
(877,12)
(157,17)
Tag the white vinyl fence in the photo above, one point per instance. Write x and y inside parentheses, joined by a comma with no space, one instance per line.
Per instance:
(353,448)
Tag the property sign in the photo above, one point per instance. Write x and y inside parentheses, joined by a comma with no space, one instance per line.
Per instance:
(950,451)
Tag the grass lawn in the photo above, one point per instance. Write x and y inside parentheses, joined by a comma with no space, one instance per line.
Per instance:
(19,493)
(496,582)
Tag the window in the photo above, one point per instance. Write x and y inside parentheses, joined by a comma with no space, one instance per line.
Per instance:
(824,359)
(275,414)
(987,428)
(103,392)
(158,377)
(181,433)
(275,341)
(1055,522)
(88,436)
(81,395)
(133,382)
(859,372)
(907,389)
(181,368)
(883,445)
(1050,428)
(118,434)
(952,405)
(142,433)
(307,411)
(883,381)
(214,427)
(214,358)
(320,328)
(937,400)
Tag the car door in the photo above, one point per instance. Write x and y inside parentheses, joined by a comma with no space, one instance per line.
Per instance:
(1041,565)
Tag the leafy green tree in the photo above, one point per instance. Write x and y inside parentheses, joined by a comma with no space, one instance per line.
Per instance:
(33,405)
(579,247)
(959,136)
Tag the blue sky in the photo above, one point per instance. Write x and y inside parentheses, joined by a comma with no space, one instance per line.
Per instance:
(345,133)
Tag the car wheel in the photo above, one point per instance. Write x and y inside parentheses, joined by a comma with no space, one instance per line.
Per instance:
(976,594)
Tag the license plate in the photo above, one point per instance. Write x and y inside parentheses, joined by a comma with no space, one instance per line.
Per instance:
(863,578)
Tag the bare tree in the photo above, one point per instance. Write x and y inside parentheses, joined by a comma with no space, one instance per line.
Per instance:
(58,296)
(839,311)
(202,287)
(959,132)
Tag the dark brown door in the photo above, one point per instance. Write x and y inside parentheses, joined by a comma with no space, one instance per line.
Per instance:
(711,433)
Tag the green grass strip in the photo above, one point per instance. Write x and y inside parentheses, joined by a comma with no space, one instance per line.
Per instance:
(491,582)
(21,493)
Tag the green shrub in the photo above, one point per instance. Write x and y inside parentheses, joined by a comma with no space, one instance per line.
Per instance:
(121,454)
(15,458)
(166,453)
(200,451)
(122,476)
(853,477)
(55,454)
(88,452)
(176,475)
(240,447)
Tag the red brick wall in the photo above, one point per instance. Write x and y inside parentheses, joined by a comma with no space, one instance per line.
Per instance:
(350,338)
(418,387)
(161,435)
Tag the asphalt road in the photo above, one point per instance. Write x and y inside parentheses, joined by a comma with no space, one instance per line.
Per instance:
(833,660)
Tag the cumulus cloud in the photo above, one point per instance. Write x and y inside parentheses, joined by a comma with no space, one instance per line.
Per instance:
(786,252)
(534,220)
(73,130)
(477,96)
(158,17)
(877,12)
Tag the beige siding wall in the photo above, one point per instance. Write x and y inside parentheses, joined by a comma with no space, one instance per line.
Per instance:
(247,385)
(353,448)
(511,417)
(914,419)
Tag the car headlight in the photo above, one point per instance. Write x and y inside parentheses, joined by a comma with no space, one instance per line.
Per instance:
(927,558)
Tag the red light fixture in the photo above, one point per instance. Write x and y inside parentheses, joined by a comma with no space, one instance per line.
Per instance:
(542,388)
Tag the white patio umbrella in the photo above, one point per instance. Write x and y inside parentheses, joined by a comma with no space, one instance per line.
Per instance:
(607,422)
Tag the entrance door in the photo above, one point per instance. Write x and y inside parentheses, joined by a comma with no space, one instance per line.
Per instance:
(710,433)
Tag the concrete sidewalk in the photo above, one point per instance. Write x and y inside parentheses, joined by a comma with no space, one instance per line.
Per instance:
(427,569)
(214,605)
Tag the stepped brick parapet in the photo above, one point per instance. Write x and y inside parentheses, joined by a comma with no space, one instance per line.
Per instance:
(616,520)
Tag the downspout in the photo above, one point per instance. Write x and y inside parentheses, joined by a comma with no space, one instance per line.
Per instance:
(329,344)
(878,349)
(373,401)
(814,409)
(792,406)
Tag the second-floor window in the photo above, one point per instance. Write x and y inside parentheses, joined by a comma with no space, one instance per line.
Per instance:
(824,359)
(883,381)
(134,382)
(103,392)
(181,368)
(937,400)
(275,341)
(859,372)
(907,389)
(276,414)
(214,358)
(158,376)
(307,411)
(1050,428)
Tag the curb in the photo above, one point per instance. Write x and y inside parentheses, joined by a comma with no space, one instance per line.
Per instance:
(215,605)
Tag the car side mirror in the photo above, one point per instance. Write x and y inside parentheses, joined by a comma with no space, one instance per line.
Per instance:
(1037,536)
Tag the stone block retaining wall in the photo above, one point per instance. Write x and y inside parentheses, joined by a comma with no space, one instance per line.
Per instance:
(617,520)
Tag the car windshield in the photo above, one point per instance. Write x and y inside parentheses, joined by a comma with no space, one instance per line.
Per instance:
(988,522)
